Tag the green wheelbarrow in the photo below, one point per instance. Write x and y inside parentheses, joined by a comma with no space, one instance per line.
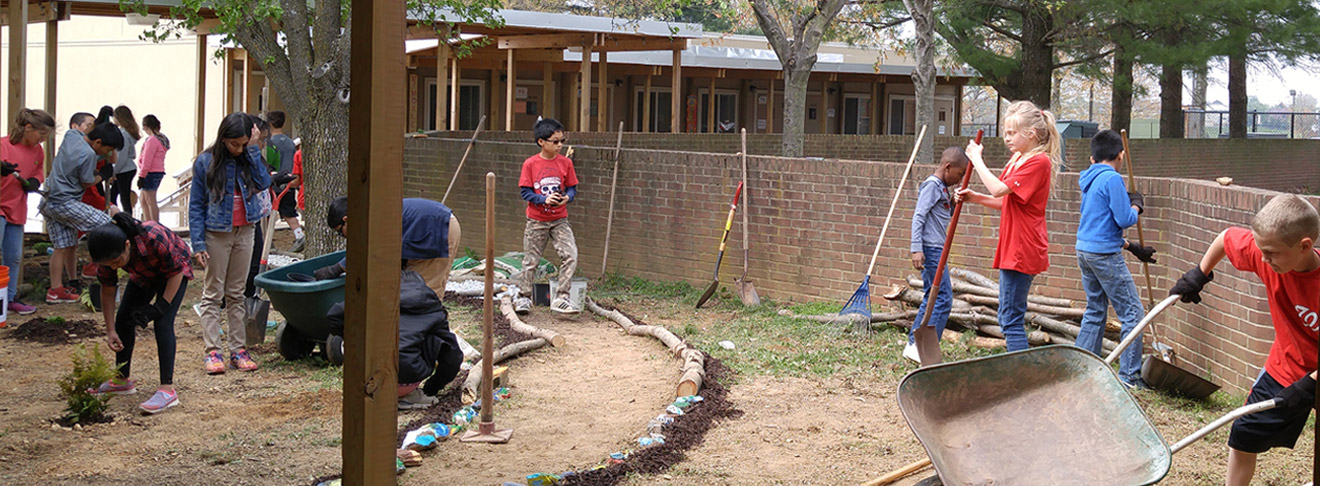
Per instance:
(304,305)
(1048,415)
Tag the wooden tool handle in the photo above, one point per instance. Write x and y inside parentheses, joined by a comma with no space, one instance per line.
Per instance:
(912,158)
(899,473)
(948,239)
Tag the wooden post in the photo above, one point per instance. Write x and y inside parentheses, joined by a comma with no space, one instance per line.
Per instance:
(371,292)
(957,112)
(676,94)
(455,74)
(494,98)
(572,111)
(199,115)
(880,109)
(824,106)
(584,92)
(509,87)
(646,106)
(602,96)
(52,63)
(441,80)
(247,81)
(710,107)
(871,110)
(229,83)
(18,14)
(547,90)
(770,109)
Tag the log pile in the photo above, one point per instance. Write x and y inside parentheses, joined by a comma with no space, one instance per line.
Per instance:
(975,302)
(694,361)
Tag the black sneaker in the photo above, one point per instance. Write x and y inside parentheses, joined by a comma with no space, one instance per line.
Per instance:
(1139,384)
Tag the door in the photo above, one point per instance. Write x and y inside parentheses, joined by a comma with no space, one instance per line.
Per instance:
(726,111)
(660,105)
(856,114)
(471,104)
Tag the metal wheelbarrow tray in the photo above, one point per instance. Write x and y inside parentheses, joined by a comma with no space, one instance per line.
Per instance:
(1053,415)
(304,305)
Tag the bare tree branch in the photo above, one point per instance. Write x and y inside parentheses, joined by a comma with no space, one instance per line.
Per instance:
(1087,59)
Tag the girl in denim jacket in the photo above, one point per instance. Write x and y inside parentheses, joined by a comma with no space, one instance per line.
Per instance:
(225,204)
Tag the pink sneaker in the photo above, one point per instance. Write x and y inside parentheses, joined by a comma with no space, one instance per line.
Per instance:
(242,361)
(115,386)
(160,401)
(215,364)
(21,308)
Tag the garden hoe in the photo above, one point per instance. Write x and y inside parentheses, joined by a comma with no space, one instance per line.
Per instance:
(746,291)
(486,431)
(723,241)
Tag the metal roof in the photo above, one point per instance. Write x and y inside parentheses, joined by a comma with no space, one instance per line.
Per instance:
(758,59)
(522,19)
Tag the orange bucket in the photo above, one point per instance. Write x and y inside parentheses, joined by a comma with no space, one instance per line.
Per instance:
(4,296)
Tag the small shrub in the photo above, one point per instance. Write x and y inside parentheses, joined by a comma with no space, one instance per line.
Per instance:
(41,247)
(55,321)
(90,369)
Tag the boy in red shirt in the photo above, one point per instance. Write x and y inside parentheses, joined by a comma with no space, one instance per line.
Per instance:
(1280,250)
(548,184)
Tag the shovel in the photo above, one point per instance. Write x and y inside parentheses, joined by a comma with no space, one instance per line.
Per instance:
(723,241)
(746,291)
(258,309)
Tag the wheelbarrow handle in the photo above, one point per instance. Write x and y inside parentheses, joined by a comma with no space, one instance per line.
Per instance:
(1229,417)
(1136,331)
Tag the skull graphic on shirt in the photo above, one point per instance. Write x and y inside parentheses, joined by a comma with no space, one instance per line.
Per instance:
(548,185)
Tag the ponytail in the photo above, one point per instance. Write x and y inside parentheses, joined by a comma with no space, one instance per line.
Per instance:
(106,242)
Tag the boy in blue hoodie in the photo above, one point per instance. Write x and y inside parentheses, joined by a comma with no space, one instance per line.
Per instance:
(1107,208)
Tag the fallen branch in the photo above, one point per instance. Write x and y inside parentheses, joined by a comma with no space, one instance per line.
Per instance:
(473,380)
(974,278)
(506,307)
(852,318)
(961,287)
(694,361)
(1043,309)
(904,294)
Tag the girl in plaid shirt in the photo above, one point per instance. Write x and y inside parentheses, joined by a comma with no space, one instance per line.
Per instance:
(159,267)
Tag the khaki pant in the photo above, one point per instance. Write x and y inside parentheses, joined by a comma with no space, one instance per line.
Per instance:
(559,234)
(435,271)
(226,275)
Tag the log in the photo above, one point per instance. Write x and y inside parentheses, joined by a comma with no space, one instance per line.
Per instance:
(852,318)
(961,287)
(974,278)
(904,294)
(473,380)
(694,360)
(506,307)
(1043,309)
(1106,345)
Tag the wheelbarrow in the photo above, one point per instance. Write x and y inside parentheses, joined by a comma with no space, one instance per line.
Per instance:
(1048,415)
(304,305)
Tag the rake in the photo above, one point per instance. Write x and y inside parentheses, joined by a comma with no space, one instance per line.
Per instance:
(860,302)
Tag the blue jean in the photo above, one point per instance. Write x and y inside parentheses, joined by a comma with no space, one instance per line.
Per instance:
(1106,279)
(12,253)
(1013,288)
(943,300)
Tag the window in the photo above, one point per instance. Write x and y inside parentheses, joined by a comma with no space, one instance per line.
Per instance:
(856,114)
(471,104)
(726,111)
(660,105)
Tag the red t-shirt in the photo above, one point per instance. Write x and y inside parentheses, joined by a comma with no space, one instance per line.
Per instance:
(240,211)
(13,199)
(297,171)
(1024,244)
(547,177)
(1294,301)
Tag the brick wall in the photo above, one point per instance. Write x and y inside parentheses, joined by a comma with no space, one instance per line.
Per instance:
(815,222)
(1281,165)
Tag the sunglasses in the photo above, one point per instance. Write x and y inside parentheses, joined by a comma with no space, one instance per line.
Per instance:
(557,142)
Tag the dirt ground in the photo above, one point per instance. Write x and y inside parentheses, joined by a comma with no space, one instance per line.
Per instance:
(571,406)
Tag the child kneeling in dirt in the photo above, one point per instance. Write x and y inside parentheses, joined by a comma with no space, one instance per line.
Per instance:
(159,266)
(426,346)
(1280,249)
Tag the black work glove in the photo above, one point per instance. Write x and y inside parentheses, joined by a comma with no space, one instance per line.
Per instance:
(1298,393)
(1190,285)
(141,183)
(283,179)
(328,272)
(142,315)
(31,185)
(107,172)
(1143,253)
(7,168)
(1138,200)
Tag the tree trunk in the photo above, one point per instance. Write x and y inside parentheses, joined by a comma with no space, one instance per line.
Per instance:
(923,77)
(1237,96)
(324,172)
(1037,61)
(795,109)
(1196,122)
(1121,91)
(1171,93)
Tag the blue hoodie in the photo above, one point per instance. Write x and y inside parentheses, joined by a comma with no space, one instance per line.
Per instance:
(1106,210)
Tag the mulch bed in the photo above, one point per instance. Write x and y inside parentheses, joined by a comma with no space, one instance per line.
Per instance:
(40,330)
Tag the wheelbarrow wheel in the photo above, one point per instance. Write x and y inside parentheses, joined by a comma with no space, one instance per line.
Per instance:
(291,345)
(334,349)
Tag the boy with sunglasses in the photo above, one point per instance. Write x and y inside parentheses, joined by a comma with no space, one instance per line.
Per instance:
(548,184)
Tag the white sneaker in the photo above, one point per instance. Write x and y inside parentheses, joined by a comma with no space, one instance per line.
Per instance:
(522,305)
(416,399)
(563,306)
(910,352)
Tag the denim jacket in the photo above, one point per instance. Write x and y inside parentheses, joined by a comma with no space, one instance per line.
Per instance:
(205,215)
